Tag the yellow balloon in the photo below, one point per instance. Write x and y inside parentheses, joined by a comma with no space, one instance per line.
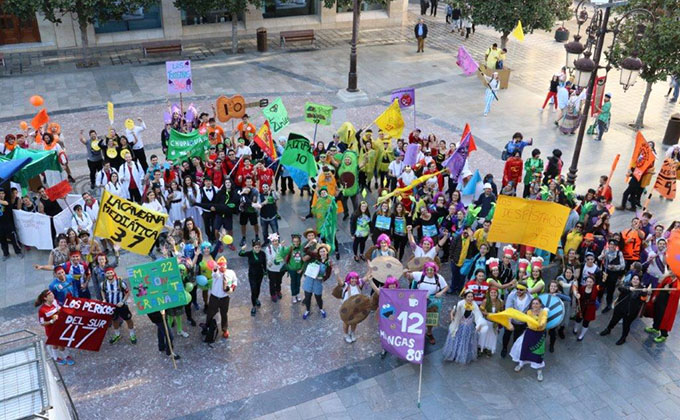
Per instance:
(129,124)
(227,240)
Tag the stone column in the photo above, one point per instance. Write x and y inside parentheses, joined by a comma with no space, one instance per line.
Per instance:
(172,20)
(327,15)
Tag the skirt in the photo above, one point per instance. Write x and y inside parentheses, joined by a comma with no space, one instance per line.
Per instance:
(570,123)
(488,337)
(529,348)
(462,348)
(311,285)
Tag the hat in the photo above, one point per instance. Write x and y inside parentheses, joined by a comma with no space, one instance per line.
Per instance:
(509,251)
(273,236)
(487,185)
(530,249)
(326,246)
(222,262)
(492,263)
(308,231)
(110,269)
(536,263)
(589,237)
(295,235)
(523,264)
(608,95)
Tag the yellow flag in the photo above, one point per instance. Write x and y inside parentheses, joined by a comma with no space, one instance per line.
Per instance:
(391,121)
(109,110)
(518,32)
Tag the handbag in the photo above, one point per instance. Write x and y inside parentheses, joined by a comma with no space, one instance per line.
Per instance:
(467,266)
(591,129)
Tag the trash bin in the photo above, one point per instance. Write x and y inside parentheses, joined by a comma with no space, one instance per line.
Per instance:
(672,131)
(262,39)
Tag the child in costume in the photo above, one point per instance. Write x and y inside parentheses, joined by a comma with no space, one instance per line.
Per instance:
(350,287)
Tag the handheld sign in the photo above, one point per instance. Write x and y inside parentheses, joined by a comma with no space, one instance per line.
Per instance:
(179,76)
(81,324)
(277,115)
(157,285)
(402,314)
(318,114)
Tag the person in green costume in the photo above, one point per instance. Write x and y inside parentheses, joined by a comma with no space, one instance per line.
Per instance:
(532,167)
(325,213)
(291,256)
(385,155)
(348,178)
(368,158)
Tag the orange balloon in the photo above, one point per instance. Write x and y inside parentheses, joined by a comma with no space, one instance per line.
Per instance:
(23,125)
(36,100)
(673,252)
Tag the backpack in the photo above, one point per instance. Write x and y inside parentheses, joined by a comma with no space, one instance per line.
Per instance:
(210,332)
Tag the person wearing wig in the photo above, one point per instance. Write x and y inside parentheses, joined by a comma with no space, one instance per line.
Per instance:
(391,283)
(429,280)
(350,287)
(466,322)
(384,248)
(427,246)
(529,348)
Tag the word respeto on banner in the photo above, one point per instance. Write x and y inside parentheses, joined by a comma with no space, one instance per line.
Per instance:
(81,324)
(136,228)
(157,285)
(318,114)
(179,76)
(528,222)
(277,115)
(402,323)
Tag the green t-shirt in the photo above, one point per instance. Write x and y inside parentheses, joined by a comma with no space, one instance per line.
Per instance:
(605,114)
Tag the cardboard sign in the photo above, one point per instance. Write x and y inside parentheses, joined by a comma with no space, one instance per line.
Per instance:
(157,285)
(228,108)
(59,190)
(136,228)
(82,324)
(277,115)
(528,222)
(402,316)
(179,76)
(318,114)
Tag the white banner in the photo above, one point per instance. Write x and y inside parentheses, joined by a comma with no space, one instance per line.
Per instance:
(62,221)
(33,229)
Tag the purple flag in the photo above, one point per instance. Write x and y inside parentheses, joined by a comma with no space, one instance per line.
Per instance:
(402,323)
(466,62)
(406,97)
(456,161)
(411,155)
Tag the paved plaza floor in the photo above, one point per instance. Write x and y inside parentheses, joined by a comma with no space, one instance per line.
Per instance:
(276,365)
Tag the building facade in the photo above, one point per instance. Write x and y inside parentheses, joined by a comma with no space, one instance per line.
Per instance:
(163,21)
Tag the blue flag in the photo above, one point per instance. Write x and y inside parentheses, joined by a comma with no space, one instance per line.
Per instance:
(471,186)
(299,176)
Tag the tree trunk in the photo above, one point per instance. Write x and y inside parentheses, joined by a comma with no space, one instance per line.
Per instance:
(82,24)
(639,121)
(504,39)
(234,33)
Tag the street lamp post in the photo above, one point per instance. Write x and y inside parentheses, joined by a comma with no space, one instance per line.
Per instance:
(352,79)
(586,68)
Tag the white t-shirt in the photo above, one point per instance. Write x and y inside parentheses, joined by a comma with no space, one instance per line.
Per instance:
(135,132)
(243,151)
(349,292)
(217,288)
(429,283)
(420,252)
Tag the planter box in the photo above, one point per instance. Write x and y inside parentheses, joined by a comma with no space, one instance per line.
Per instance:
(561,36)
(503,75)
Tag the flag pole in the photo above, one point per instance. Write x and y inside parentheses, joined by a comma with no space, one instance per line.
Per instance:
(169,341)
(272,164)
(181,106)
(316,125)
(235,166)
(414,115)
(420,383)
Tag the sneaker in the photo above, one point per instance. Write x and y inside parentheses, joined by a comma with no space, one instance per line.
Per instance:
(225,334)
(70,361)
(353,337)
(348,338)
(305,315)
(243,241)
(323,314)
(114,339)
(660,339)
(60,361)
(183,333)
(539,376)
(652,330)
(253,312)
(133,339)
(518,368)
(176,357)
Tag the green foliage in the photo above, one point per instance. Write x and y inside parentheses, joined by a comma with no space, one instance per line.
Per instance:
(87,11)
(204,6)
(658,46)
(534,14)
(329,4)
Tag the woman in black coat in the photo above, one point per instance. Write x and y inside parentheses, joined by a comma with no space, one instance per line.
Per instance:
(631,298)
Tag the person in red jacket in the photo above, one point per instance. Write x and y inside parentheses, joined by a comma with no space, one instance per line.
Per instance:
(244,170)
(586,302)
(512,172)
(663,306)
(214,171)
(263,175)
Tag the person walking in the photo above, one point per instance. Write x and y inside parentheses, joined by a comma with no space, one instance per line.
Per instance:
(492,85)
(424,4)
(433,8)
(420,31)
(604,116)
(224,282)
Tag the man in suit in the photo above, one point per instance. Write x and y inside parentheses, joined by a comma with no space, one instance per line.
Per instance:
(420,31)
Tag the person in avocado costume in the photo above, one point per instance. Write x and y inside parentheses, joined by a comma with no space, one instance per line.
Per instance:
(368,158)
(385,155)
(324,211)
(348,176)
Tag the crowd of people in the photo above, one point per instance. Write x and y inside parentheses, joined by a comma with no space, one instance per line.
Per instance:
(600,269)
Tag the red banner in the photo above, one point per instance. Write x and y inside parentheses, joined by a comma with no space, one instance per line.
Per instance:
(598,94)
(59,190)
(82,324)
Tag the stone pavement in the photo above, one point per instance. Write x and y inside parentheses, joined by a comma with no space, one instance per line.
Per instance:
(276,365)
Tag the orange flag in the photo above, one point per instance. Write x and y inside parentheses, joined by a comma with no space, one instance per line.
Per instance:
(643,156)
(40,119)
(472,146)
(665,181)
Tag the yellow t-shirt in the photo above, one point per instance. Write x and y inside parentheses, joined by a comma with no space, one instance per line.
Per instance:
(492,57)
(481,237)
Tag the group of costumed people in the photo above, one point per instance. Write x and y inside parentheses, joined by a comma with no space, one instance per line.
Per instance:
(419,217)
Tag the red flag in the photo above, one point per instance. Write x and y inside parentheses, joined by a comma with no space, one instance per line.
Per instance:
(643,156)
(263,138)
(466,131)
(59,190)
(40,119)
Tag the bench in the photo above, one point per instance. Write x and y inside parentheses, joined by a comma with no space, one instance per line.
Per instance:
(159,47)
(292,36)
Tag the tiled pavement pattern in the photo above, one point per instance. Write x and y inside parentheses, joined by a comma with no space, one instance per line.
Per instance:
(277,366)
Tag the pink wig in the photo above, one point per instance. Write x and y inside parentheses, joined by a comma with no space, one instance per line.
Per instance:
(430,264)
(384,237)
(390,280)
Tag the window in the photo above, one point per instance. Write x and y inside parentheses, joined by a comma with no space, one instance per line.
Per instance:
(364,7)
(282,8)
(213,16)
(142,18)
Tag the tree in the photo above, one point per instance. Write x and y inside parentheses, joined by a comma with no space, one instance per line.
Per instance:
(232,7)
(86,12)
(534,14)
(656,43)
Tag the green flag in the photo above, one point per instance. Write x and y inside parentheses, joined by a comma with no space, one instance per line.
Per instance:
(181,145)
(277,115)
(326,213)
(157,285)
(318,114)
(298,154)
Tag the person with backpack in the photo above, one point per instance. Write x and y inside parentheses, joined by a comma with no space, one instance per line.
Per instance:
(223,285)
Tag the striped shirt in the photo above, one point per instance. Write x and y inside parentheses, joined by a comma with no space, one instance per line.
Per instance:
(114,291)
